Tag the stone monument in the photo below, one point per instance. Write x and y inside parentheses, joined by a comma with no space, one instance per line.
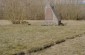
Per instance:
(51,17)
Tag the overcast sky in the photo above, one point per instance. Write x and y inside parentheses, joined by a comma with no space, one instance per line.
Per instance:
(83,1)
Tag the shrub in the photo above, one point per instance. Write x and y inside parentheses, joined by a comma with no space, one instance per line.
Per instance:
(16,22)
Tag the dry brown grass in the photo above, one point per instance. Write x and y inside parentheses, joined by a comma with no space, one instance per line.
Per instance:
(17,38)
(70,47)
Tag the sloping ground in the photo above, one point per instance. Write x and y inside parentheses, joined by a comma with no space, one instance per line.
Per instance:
(24,38)
(74,46)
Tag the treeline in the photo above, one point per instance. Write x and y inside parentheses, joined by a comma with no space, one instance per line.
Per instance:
(33,10)
(21,9)
(71,11)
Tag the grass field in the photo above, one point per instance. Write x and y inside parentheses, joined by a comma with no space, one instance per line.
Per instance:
(17,38)
(74,46)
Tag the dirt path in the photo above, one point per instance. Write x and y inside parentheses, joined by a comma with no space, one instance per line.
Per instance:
(74,46)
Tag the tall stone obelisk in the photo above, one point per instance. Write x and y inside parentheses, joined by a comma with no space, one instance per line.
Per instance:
(51,17)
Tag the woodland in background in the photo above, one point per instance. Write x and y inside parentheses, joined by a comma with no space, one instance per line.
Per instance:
(34,10)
